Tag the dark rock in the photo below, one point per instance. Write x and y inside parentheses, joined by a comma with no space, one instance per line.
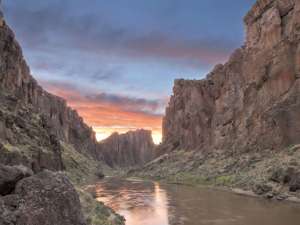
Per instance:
(10,175)
(283,175)
(100,175)
(261,189)
(269,195)
(44,199)
(295,183)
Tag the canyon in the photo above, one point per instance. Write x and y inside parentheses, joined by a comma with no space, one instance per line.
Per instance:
(237,128)
(47,152)
(251,102)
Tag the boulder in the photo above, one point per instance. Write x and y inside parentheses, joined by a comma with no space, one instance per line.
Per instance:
(9,177)
(281,175)
(100,175)
(295,183)
(261,189)
(46,198)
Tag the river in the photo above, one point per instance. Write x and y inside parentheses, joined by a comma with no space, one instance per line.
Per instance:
(152,203)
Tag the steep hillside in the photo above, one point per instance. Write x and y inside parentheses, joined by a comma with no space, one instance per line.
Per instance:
(29,114)
(134,148)
(240,126)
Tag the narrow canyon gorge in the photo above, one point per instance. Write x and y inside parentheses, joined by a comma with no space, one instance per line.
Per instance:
(237,129)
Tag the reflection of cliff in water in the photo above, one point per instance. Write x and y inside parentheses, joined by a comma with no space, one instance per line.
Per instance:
(139,202)
(152,203)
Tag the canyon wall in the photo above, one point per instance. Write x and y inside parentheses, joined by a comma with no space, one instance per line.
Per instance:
(39,133)
(252,102)
(130,149)
(34,122)
(15,79)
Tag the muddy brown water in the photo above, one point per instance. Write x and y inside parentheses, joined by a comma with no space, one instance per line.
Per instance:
(152,203)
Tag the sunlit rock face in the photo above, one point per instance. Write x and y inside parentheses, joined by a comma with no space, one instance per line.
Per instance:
(251,102)
(134,148)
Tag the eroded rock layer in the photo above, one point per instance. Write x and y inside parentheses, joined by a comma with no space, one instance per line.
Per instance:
(131,149)
(252,102)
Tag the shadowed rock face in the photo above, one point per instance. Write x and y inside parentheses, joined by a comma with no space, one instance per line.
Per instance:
(131,149)
(252,101)
(31,119)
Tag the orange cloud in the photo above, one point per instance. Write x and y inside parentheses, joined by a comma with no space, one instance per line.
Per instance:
(107,117)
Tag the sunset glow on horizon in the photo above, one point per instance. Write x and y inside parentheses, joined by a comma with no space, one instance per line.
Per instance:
(104,132)
(106,117)
(115,61)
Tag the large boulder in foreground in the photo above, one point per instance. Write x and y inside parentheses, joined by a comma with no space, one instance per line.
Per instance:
(10,175)
(44,199)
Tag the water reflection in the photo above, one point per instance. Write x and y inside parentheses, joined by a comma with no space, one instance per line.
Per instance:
(151,203)
(141,203)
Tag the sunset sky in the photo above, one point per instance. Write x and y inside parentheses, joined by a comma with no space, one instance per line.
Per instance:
(115,61)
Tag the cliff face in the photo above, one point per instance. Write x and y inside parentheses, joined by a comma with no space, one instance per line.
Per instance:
(35,123)
(131,149)
(39,131)
(253,101)
(31,119)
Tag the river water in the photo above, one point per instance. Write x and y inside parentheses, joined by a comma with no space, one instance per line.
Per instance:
(152,203)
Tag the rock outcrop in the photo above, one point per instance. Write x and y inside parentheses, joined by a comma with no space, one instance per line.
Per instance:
(10,176)
(125,150)
(250,103)
(34,122)
(45,198)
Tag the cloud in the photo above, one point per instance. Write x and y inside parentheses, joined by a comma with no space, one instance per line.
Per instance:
(129,104)
(62,27)
(109,110)
(108,113)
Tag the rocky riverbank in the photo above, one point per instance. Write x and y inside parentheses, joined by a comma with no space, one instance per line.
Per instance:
(270,174)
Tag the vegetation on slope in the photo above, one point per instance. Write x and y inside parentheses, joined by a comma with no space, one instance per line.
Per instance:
(272,174)
(82,170)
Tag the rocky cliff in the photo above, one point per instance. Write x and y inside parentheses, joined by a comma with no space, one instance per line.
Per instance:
(32,120)
(252,102)
(39,133)
(131,149)
(239,127)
